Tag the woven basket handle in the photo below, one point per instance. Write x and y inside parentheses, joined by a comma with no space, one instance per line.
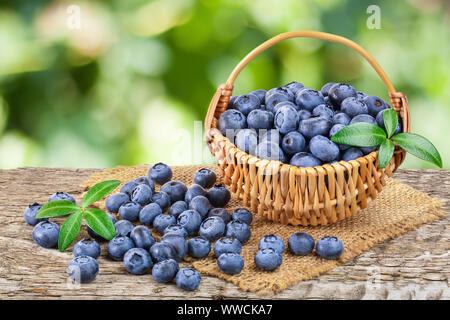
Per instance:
(223,93)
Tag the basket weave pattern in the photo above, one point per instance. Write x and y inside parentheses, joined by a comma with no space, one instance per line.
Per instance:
(301,196)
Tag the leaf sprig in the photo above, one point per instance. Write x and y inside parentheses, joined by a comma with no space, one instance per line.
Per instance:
(96,219)
(364,134)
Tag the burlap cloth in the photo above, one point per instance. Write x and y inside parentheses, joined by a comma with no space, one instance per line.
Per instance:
(397,209)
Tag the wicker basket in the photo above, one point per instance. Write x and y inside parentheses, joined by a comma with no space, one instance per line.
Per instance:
(291,195)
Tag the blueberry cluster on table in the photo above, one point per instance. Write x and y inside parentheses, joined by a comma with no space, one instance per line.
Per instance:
(293,124)
(189,220)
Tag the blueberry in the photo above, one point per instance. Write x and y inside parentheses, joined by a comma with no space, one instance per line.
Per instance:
(329,248)
(286,103)
(149,213)
(128,187)
(363,118)
(31,212)
(380,122)
(367,150)
(160,173)
(272,135)
(162,199)
(87,247)
(339,92)
(83,269)
(341,118)
(175,189)
(190,220)
(123,228)
(314,126)
(286,119)
(293,143)
(130,210)
(212,228)
(188,279)
(271,241)
(260,119)
(301,243)
(205,178)
(232,101)
(177,230)
(227,244)
(61,196)
(270,151)
(231,120)
(178,244)
(142,194)
(96,236)
(200,204)
(165,271)
(323,148)
(268,259)
(118,246)
(334,129)
(308,99)
(239,230)
(353,107)
(114,202)
(162,251)
(199,247)
(324,111)
(375,105)
(230,263)
(326,88)
(221,213)
(218,196)
(144,180)
(352,154)
(161,222)
(137,261)
(177,208)
(247,103)
(303,114)
(242,215)
(142,237)
(261,94)
(277,95)
(193,191)
(46,234)
(304,159)
(294,87)
(247,140)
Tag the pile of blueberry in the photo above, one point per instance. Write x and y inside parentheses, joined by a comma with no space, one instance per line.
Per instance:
(293,124)
(177,213)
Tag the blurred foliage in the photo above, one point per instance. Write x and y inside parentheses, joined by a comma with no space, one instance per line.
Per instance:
(128,85)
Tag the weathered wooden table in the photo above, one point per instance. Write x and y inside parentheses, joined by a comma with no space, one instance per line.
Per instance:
(413,266)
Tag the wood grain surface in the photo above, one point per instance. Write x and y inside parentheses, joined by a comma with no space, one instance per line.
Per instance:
(413,266)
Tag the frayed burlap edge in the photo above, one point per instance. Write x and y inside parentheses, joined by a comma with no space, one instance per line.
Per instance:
(396,210)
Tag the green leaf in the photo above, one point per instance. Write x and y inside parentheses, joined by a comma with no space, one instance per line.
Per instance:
(360,134)
(419,147)
(98,191)
(100,222)
(56,209)
(390,120)
(69,230)
(385,153)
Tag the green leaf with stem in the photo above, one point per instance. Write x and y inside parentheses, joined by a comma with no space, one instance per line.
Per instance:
(419,147)
(100,222)
(98,191)
(390,120)
(57,208)
(385,153)
(360,134)
(69,230)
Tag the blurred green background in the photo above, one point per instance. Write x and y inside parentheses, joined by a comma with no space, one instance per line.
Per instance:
(127,85)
